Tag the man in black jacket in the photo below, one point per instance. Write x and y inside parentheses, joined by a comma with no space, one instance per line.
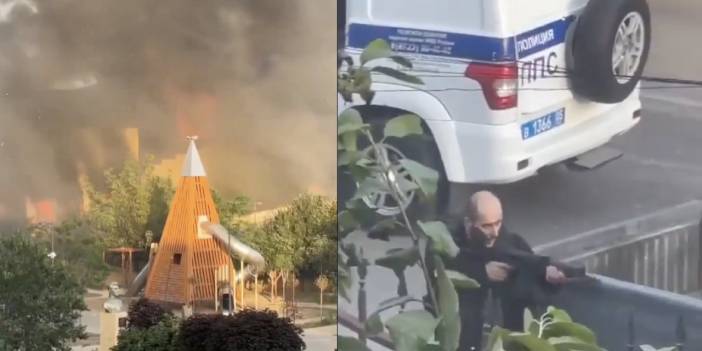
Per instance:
(483,240)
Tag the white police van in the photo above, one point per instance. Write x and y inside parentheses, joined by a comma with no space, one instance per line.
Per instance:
(510,86)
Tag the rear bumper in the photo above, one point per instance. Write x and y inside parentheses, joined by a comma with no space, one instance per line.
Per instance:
(496,154)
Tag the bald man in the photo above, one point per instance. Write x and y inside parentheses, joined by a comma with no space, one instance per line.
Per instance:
(481,236)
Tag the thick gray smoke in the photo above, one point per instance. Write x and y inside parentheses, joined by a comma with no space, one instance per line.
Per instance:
(252,78)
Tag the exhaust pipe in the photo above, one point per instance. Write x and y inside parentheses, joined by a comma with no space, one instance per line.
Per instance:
(255,261)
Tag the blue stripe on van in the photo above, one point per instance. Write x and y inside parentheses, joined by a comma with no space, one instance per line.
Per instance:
(463,46)
(417,41)
(542,38)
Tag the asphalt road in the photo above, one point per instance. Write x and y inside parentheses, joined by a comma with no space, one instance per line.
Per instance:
(662,162)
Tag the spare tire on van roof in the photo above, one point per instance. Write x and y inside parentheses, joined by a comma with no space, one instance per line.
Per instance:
(610,48)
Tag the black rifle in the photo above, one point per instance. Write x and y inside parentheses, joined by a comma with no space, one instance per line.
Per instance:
(527,278)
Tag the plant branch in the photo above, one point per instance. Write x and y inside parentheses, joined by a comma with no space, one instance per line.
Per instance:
(415,237)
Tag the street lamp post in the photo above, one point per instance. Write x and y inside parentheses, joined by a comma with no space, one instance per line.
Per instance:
(52,255)
(255,210)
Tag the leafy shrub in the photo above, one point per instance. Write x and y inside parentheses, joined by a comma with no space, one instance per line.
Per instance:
(160,337)
(198,332)
(265,330)
(144,314)
(248,330)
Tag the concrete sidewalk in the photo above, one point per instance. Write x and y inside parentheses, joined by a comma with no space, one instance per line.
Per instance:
(320,339)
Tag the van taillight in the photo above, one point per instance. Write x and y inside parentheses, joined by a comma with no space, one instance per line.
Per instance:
(498,82)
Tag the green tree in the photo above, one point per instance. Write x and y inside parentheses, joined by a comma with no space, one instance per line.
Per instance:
(134,201)
(314,226)
(160,337)
(40,301)
(299,238)
(272,242)
(230,210)
(78,247)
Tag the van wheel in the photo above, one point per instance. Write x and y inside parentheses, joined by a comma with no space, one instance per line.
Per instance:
(420,148)
(610,48)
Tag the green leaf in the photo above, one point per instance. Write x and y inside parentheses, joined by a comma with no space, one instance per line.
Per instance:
(370,186)
(349,121)
(349,141)
(353,252)
(462,281)
(531,342)
(449,330)
(399,259)
(528,321)
(344,278)
(385,224)
(410,330)
(346,343)
(349,157)
(374,325)
(378,48)
(497,345)
(569,343)
(362,215)
(401,60)
(362,81)
(495,337)
(395,301)
(399,75)
(346,220)
(559,315)
(558,329)
(426,178)
(367,95)
(441,238)
(359,173)
(345,88)
(403,125)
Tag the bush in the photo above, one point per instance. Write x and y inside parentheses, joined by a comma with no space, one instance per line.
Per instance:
(248,330)
(198,332)
(144,314)
(160,337)
(264,330)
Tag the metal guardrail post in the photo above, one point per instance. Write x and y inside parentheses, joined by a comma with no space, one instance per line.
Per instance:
(631,346)
(680,334)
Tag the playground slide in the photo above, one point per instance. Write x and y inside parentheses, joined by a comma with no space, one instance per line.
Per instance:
(139,281)
(255,261)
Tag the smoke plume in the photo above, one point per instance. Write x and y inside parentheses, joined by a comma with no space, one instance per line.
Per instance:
(252,78)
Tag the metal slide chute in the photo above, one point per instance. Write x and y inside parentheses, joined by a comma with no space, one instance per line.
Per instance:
(254,260)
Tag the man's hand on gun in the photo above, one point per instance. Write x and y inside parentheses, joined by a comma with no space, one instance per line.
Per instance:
(554,275)
(497,271)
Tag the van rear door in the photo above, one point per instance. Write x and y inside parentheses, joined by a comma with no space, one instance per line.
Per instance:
(546,102)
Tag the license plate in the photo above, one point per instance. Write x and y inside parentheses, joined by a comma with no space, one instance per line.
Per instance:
(543,124)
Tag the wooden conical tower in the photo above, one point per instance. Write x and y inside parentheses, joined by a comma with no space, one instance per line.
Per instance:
(188,261)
